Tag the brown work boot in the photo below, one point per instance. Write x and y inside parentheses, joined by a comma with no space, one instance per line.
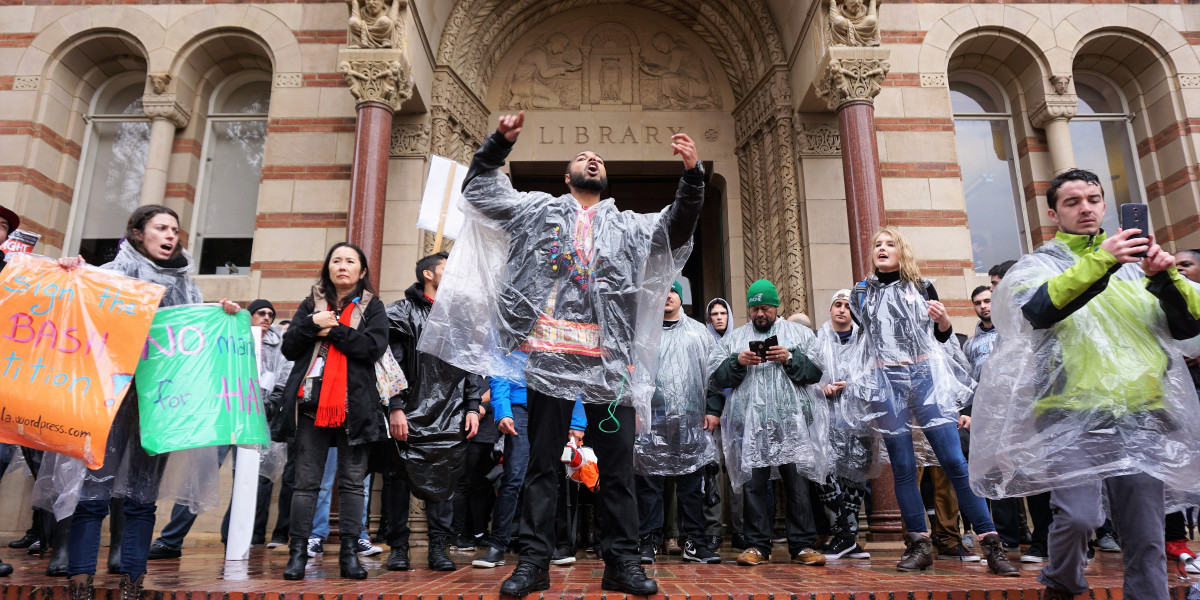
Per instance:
(79,587)
(1053,593)
(752,557)
(131,589)
(918,554)
(996,557)
(809,557)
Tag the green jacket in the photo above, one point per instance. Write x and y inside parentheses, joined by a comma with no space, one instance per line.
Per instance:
(1089,295)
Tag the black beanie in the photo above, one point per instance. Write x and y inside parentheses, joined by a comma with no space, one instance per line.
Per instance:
(260,303)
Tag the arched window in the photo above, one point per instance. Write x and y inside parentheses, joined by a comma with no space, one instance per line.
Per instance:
(1100,136)
(227,199)
(987,158)
(112,163)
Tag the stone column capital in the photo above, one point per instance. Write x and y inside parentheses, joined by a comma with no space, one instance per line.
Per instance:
(377,75)
(851,74)
(166,107)
(1052,107)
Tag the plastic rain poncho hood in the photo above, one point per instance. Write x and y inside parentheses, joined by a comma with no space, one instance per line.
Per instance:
(853,448)
(897,333)
(769,420)
(1101,393)
(585,302)
(676,442)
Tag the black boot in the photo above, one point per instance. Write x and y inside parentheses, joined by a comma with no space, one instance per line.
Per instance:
(58,541)
(918,555)
(348,559)
(526,578)
(297,559)
(5,569)
(79,587)
(629,577)
(438,559)
(116,533)
(397,559)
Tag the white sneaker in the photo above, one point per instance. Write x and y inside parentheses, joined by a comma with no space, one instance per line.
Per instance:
(365,548)
(315,546)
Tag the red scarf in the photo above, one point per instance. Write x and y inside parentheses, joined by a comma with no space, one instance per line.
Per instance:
(331,408)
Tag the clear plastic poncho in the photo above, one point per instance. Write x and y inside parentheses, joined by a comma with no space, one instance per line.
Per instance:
(854,449)
(676,442)
(515,281)
(769,420)
(902,376)
(1104,392)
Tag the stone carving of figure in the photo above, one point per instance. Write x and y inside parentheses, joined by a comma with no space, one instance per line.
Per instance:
(610,80)
(375,23)
(536,80)
(853,23)
(686,84)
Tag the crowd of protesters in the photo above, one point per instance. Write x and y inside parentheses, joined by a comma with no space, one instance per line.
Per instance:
(701,429)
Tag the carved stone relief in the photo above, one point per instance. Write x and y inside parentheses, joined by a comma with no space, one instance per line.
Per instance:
(375,24)
(819,140)
(410,140)
(610,64)
(851,79)
(853,23)
(1051,108)
(381,76)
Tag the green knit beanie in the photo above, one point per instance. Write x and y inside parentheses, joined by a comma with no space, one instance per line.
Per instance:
(678,289)
(762,292)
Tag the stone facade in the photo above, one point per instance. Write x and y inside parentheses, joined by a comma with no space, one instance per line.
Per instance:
(748,79)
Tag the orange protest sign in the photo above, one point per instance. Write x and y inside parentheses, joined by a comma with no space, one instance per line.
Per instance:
(69,344)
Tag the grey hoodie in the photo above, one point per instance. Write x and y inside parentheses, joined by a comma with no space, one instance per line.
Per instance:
(717,336)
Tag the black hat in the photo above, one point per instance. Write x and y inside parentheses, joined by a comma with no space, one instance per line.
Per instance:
(260,303)
(13,220)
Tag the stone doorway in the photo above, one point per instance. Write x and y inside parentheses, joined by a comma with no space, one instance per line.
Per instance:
(646,187)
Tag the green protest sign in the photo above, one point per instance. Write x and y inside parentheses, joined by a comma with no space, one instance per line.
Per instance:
(197,382)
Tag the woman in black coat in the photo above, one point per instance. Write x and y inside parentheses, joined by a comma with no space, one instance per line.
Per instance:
(331,398)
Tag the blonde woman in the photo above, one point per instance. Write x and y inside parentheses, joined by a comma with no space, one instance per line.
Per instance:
(906,377)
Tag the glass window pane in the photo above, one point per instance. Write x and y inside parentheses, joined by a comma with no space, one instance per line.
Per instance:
(253,98)
(1103,147)
(114,185)
(126,101)
(966,98)
(231,193)
(989,184)
(1097,98)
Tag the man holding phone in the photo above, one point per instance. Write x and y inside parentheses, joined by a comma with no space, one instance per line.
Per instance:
(1085,392)
(771,418)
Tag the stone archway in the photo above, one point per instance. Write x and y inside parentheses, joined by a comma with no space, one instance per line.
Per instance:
(745,47)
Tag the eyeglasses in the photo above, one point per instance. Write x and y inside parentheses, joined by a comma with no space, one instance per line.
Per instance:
(262,312)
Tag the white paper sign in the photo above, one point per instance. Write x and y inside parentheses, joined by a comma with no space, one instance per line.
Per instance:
(445,176)
(24,241)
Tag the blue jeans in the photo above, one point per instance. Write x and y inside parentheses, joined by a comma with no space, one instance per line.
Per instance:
(912,386)
(516,459)
(320,527)
(84,543)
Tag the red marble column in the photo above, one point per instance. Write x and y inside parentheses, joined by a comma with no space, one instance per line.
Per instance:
(864,209)
(368,184)
(864,184)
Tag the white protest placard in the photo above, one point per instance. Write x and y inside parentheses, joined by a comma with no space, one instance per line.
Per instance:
(439,204)
(20,241)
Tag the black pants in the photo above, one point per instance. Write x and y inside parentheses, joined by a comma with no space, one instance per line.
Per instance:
(474,494)
(690,506)
(287,482)
(312,448)
(616,505)
(440,515)
(759,506)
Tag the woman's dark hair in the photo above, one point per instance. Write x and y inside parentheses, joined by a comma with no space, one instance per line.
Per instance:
(136,227)
(326,282)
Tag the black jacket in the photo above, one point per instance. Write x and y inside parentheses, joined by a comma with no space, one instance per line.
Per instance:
(366,420)
(436,403)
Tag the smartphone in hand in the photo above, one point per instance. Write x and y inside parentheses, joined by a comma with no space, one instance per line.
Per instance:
(1136,216)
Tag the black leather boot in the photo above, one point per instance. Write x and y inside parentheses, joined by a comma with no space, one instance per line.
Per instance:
(297,559)
(526,578)
(58,541)
(629,577)
(79,587)
(348,559)
(438,559)
(918,555)
(5,569)
(116,534)
(397,559)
